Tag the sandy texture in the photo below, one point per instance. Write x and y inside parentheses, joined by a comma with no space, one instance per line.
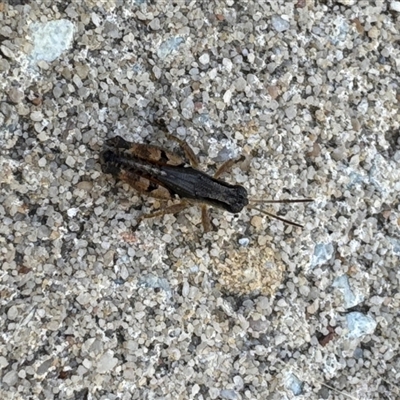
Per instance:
(308,91)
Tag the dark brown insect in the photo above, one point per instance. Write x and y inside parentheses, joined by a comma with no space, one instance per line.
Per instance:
(166,175)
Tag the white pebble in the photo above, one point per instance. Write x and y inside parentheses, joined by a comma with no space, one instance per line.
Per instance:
(204,59)
(395,6)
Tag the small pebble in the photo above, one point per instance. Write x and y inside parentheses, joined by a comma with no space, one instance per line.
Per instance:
(279,24)
(204,59)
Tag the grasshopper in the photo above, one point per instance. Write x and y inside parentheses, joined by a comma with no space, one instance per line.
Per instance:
(166,175)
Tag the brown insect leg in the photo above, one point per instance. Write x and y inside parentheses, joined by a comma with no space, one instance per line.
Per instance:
(143,185)
(226,166)
(189,153)
(205,219)
(174,209)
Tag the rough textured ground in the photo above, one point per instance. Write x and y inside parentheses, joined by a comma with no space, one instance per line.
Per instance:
(309,92)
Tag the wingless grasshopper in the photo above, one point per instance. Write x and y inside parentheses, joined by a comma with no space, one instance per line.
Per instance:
(166,175)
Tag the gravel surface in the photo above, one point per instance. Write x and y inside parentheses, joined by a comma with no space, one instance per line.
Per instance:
(308,91)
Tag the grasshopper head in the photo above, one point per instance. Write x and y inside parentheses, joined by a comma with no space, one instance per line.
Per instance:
(237,200)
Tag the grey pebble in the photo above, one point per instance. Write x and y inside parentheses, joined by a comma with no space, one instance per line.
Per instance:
(204,58)
(16,95)
(229,394)
(12,313)
(10,378)
(50,39)
(279,24)
(155,24)
(168,46)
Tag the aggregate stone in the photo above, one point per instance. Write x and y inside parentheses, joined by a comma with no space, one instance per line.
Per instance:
(304,96)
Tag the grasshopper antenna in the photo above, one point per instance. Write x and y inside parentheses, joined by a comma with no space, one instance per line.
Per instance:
(286,201)
(281,201)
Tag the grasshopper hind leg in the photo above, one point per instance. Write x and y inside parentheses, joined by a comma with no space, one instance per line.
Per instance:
(227,166)
(187,150)
(174,209)
(205,219)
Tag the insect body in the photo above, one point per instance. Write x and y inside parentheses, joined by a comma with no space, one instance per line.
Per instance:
(162,174)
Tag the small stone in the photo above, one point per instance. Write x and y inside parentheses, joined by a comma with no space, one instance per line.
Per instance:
(244,242)
(294,384)
(114,102)
(347,2)
(10,378)
(238,380)
(70,161)
(227,63)
(342,283)
(4,65)
(395,6)
(291,112)
(36,116)
(168,46)
(43,232)
(16,95)
(43,65)
(95,19)
(107,362)
(85,185)
(228,394)
(7,52)
(12,313)
(83,298)
(204,58)
(167,238)
(360,325)
(323,252)
(157,72)
(227,96)
(279,24)
(240,84)
(155,24)
(214,393)
(6,31)
(256,221)
(195,389)
(82,70)
(50,39)
(153,281)
(57,92)
(373,33)
(129,374)
(3,362)
(72,212)
(45,366)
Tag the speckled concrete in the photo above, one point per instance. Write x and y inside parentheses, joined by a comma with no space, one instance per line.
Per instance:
(308,91)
